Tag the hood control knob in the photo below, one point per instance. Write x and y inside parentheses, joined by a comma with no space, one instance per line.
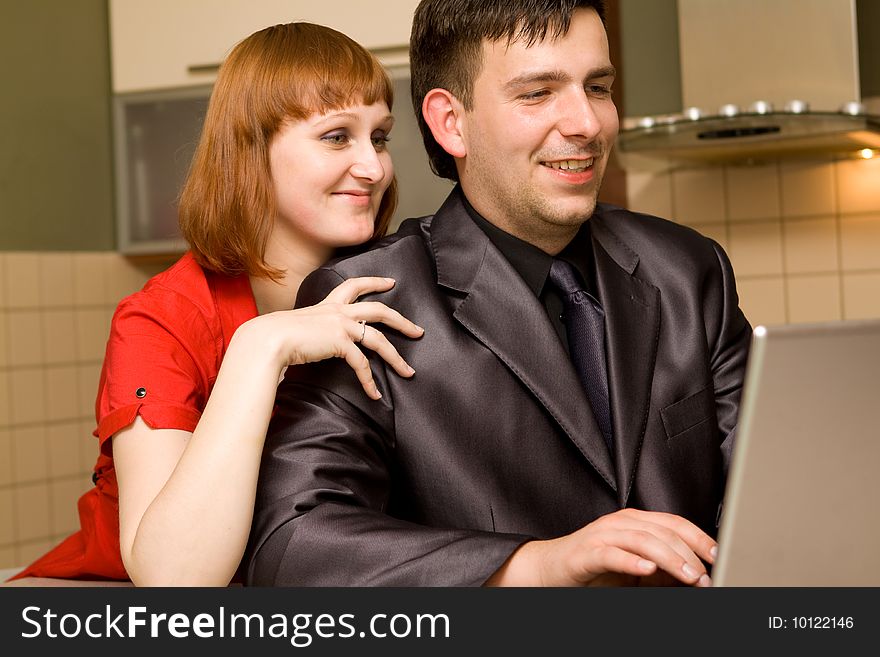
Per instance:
(761,107)
(853,108)
(797,106)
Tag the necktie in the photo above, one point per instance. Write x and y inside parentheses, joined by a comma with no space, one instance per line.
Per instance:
(585,327)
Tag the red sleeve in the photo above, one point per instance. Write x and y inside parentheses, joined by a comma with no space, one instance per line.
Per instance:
(161,362)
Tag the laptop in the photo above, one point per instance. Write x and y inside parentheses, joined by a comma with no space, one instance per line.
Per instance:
(802,504)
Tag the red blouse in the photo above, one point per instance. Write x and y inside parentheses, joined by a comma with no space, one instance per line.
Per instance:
(163,355)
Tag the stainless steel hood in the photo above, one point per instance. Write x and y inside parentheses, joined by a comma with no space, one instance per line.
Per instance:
(749,138)
(761,80)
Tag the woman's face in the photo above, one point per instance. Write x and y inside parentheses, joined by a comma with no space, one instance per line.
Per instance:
(329,172)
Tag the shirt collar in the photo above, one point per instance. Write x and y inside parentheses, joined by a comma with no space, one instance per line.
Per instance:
(530,262)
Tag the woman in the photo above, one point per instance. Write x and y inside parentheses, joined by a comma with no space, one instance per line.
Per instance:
(292,164)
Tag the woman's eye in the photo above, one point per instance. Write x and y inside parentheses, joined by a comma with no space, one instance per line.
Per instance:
(335,138)
(380,141)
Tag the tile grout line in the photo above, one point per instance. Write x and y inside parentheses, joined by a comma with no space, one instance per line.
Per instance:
(838,231)
(786,302)
(47,402)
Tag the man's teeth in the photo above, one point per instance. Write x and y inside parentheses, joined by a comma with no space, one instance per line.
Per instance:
(570,165)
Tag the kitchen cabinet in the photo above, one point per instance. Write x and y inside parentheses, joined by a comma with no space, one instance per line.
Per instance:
(164,44)
(156,133)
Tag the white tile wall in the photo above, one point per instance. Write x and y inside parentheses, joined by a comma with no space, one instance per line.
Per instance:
(857,182)
(752,192)
(811,245)
(807,189)
(763,300)
(803,236)
(756,248)
(56,280)
(860,241)
(861,295)
(55,311)
(698,196)
(22,280)
(814,298)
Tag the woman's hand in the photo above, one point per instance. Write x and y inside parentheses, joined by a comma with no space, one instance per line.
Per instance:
(333,328)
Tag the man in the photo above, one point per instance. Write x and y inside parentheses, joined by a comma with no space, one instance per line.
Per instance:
(521,449)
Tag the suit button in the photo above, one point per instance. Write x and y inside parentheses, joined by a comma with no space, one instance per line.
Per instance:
(141,393)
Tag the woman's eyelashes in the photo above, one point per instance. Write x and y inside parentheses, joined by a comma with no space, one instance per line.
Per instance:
(342,138)
(336,138)
(380,140)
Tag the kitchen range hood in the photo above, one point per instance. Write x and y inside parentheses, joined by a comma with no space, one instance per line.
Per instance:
(761,80)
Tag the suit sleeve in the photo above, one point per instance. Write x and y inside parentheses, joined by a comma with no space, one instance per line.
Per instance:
(326,479)
(729,336)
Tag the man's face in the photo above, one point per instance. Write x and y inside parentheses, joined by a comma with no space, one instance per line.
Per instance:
(540,132)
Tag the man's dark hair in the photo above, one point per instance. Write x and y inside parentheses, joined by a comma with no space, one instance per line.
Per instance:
(446,43)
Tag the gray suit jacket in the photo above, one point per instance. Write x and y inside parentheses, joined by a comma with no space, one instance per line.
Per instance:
(493,441)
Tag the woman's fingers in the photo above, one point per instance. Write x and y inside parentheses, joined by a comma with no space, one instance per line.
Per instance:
(348,291)
(369,337)
(376,340)
(361,366)
(341,308)
(375,312)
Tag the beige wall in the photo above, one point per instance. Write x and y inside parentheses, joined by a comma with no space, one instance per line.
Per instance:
(803,236)
(56,186)
(55,311)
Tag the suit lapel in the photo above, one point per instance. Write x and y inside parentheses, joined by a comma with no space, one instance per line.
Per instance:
(632,330)
(501,312)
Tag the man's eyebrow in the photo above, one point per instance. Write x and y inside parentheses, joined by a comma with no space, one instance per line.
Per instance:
(533,77)
(536,76)
(604,72)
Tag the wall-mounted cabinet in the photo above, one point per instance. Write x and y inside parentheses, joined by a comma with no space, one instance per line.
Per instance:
(156,134)
(164,44)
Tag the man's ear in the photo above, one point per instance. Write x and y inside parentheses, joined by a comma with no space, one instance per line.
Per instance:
(443,113)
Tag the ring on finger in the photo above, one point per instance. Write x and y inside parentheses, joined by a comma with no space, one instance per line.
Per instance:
(363,324)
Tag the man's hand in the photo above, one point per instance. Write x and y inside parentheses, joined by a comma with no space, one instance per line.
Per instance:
(624,548)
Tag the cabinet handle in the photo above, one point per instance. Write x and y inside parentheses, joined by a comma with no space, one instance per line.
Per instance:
(202,68)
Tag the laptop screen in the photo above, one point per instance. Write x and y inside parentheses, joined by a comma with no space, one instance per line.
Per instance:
(802,504)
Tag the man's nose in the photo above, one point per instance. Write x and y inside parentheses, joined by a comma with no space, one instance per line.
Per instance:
(579,117)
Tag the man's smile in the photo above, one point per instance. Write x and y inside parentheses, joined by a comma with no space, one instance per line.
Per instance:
(570,165)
